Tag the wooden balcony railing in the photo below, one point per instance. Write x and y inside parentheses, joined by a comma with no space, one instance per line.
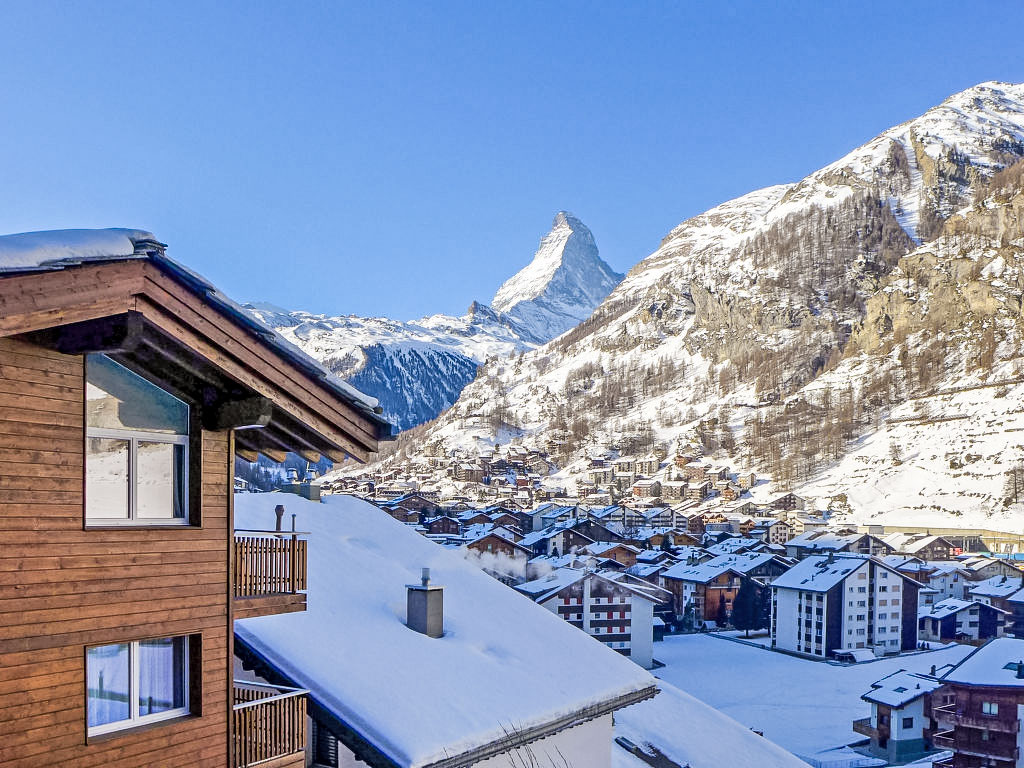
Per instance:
(269,723)
(269,563)
(863,726)
(950,713)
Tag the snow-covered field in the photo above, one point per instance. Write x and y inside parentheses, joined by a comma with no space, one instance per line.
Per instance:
(804,706)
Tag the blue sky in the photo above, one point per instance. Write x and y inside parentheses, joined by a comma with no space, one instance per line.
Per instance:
(402,159)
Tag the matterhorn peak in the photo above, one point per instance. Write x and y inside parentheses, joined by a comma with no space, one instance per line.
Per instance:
(562,285)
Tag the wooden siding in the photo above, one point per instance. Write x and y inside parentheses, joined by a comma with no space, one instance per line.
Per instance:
(63,587)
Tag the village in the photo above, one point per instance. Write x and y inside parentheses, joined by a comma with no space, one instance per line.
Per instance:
(691,547)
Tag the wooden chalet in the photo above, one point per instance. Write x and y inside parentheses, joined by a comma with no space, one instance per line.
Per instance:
(128,385)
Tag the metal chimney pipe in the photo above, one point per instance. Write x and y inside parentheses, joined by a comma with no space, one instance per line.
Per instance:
(279,511)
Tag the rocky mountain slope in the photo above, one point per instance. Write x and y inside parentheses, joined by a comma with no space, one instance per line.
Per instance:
(764,327)
(561,286)
(417,369)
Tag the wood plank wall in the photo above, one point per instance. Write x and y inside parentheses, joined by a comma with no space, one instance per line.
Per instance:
(63,587)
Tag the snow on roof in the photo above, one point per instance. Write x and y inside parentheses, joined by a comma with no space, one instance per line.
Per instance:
(818,573)
(709,740)
(54,249)
(997,586)
(57,249)
(994,663)
(950,606)
(712,569)
(415,698)
(900,688)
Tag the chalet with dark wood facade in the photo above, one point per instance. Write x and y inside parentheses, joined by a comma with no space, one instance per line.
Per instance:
(127,387)
(982,723)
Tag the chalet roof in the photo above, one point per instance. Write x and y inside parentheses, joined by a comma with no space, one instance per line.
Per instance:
(900,688)
(995,663)
(24,255)
(543,588)
(603,547)
(825,540)
(548,671)
(735,544)
(996,586)
(951,606)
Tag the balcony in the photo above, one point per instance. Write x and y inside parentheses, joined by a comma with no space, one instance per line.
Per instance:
(269,573)
(949,713)
(269,726)
(943,740)
(864,728)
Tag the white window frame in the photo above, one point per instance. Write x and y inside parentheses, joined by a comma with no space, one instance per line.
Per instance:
(134,719)
(134,437)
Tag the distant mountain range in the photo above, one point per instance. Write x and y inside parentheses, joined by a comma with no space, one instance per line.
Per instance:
(417,369)
(857,335)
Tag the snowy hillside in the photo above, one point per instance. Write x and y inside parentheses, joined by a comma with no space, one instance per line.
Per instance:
(561,286)
(723,335)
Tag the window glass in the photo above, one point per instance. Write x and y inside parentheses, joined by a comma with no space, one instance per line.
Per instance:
(136,448)
(160,480)
(116,398)
(106,478)
(109,678)
(161,675)
(136,683)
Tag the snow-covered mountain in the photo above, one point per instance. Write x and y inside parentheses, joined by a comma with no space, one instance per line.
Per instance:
(729,332)
(561,286)
(417,369)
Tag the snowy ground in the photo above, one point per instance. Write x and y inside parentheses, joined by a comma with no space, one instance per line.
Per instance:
(804,706)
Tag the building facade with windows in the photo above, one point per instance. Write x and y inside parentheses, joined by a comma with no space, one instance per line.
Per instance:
(127,387)
(831,604)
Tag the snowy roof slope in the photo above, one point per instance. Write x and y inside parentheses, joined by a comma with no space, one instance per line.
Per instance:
(901,688)
(709,739)
(994,663)
(818,573)
(415,698)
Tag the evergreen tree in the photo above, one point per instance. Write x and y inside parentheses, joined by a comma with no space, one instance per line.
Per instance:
(746,608)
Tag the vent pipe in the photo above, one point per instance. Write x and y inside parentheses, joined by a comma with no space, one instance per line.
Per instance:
(425,607)
(1020,670)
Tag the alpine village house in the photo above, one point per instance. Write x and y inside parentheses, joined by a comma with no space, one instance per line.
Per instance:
(127,387)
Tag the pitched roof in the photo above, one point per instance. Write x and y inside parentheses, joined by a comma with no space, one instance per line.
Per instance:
(951,606)
(707,571)
(384,679)
(995,663)
(819,573)
(901,688)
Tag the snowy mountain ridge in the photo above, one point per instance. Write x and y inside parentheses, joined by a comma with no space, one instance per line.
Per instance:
(561,286)
(417,368)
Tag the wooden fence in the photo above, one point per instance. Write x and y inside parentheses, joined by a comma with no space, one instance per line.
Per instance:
(268,722)
(269,563)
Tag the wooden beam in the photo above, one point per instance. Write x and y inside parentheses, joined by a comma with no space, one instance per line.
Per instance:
(277,457)
(112,334)
(247,455)
(310,456)
(250,412)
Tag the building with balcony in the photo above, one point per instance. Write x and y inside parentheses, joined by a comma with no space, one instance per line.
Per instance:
(446,669)
(128,385)
(836,603)
(614,608)
(900,725)
(982,723)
